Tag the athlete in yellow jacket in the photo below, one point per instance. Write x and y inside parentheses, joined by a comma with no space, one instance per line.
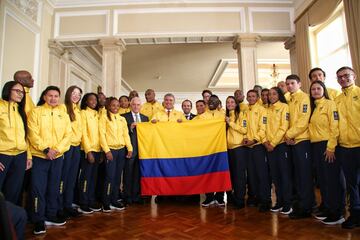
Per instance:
(348,152)
(71,164)
(114,137)
(13,147)
(258,170)
(90,144)
(236,130)
(324,133)
(49,137)
(277,150)
(298,138)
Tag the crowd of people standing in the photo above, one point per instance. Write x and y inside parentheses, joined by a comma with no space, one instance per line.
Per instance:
(79,152)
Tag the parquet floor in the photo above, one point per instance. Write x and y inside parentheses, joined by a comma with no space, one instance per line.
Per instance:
(169,220)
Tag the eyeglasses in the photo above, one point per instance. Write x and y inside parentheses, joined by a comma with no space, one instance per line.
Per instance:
(346,76)
(76,94)
(18,91)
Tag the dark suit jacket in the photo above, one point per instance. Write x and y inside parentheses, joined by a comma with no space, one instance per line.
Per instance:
(191,116)
(132,133)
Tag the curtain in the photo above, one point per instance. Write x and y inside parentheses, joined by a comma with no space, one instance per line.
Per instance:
(352,16)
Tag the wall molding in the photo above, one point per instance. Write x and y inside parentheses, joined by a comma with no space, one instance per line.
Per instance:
(289,10)
(239,10)
(85,3)
(59,15)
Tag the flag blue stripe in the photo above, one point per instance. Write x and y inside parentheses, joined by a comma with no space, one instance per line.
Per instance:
(179,167)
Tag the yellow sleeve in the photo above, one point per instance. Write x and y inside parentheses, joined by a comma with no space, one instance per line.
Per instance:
(28,152)
(284,125)
(334,127)
(64,144)
(126,136)
(34,132)
(155,117)
(102,131)
(262,127)
(85,139)
(302,120)
(239,126)
(182,117)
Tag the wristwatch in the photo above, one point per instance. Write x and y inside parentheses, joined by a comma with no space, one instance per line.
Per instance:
(46,150)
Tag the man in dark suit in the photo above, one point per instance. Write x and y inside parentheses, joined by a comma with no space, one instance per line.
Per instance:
(132,166)
(186,107)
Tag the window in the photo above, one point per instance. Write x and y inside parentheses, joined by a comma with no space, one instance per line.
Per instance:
(330,47)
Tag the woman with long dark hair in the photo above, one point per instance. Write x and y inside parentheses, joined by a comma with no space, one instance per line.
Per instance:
(238,154)
(324,132)
(49,136)
(72,157)
(278,151)
(91,153)
(13,146)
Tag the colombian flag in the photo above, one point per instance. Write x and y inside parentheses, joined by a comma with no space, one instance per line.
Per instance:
(183,158)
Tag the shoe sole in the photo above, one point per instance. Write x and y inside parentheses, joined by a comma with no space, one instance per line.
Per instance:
(85,212)
(48,223)
(287,213)
(40,232)
(208,204)
(96,209)
(340,221)
(116,208)
(106,211)
(276,210)
(320,218)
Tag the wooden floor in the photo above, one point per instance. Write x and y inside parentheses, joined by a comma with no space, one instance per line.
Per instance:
(190,221)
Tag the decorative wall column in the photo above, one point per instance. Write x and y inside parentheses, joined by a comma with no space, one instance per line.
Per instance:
(113,49)
(290,45)
(56,51)
(245,46)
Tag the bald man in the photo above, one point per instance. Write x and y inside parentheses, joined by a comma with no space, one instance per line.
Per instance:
(151,107)
(24,78)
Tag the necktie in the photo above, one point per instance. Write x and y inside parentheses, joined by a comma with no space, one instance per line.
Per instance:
(137,117)
(188,117)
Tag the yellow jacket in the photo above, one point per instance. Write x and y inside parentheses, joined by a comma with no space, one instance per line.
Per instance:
(29,102)
(210,114)
(236,130)
(333,93)
(162,116)
(348,105)
(324,124)
(299,107)
(49,128)
(76,127)
(278,117)
(150,109)
(114,134)
(256,117)
(287,96)
(124,110)
(90,141)
(12,132)
(243,107)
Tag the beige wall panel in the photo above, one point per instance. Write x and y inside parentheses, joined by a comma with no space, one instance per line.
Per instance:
(178,67)
(179,22)
(19,48)
(78,25)
(271,21)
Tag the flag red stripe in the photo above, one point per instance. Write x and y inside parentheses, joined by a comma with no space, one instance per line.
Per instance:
(210,182)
